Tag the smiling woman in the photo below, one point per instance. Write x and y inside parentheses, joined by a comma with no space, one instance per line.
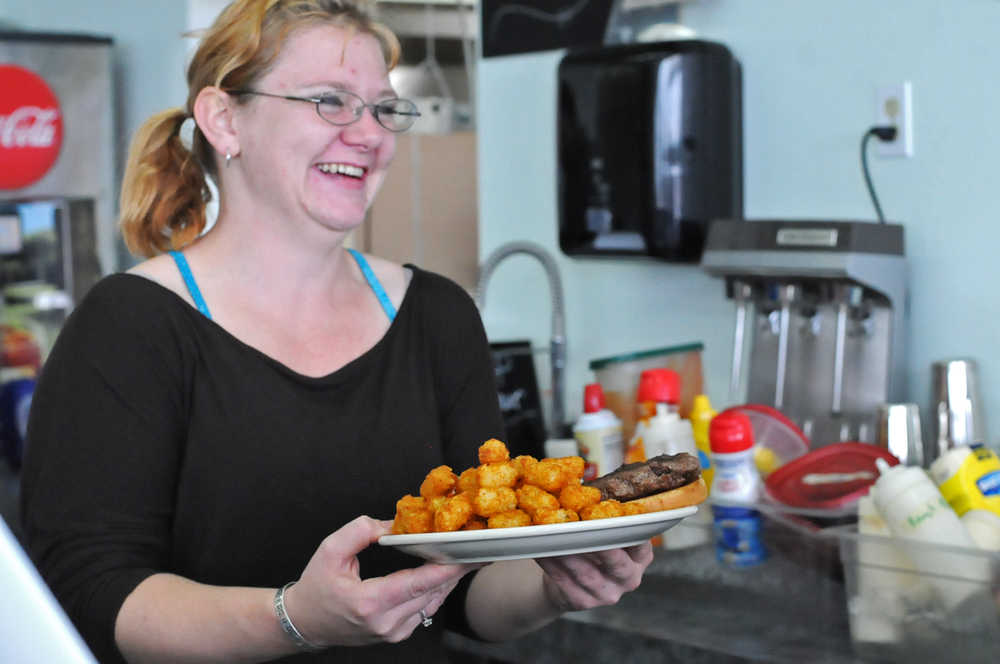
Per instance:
(218,431)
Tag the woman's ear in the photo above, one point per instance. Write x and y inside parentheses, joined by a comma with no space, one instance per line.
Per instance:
(213,112)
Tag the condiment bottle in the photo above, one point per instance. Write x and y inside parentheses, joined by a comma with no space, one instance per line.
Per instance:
(667,433)
(598,434)
(656,386)
(736,487)
(968,479)
(920,518)
(701,415)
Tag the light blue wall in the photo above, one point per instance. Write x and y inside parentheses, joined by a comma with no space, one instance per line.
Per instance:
(811,69)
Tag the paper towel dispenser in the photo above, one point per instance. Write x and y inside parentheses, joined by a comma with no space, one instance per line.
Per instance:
(650,147)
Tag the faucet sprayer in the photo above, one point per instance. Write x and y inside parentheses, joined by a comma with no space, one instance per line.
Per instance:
(557,355)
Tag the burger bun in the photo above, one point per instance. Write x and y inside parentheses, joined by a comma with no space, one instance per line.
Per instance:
(690,494)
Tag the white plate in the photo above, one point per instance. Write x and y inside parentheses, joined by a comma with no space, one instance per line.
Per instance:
(478,546)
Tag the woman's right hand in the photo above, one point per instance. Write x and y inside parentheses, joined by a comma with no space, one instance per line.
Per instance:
(332,605)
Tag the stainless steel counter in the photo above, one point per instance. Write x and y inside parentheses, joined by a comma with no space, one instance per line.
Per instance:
(691,609)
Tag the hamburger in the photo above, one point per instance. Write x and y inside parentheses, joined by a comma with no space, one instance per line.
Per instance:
(665,482)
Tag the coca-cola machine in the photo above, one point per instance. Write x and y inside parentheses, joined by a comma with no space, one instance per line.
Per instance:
(57,203)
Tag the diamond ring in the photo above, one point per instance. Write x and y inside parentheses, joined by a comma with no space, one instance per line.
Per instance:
(425,620)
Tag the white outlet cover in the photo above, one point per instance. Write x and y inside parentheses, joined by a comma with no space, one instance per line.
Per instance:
(900,98)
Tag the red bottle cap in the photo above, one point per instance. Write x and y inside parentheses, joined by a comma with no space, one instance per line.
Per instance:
(661,385)
(730,431)
(593,398)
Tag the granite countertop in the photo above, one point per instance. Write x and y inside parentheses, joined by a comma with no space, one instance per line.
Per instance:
(791,608)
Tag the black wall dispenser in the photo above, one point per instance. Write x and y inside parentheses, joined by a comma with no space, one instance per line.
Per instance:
(650,147)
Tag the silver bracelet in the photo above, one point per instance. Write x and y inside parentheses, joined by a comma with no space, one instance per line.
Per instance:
(286,622)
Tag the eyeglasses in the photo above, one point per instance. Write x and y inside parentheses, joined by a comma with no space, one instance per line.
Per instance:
(341,107)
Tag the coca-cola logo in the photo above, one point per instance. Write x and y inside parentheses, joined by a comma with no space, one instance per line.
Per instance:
(31,127)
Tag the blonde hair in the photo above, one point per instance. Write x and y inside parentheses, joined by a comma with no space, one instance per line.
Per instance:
(165,190)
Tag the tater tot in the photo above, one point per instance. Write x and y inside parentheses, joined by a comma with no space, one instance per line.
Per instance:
(438,482)
(523,461)
(573,465)
(413,523)
(510,519)
(630,509)
(606,509)
(453,514)
(493,451)
(576,496)
(412,516)
(435,503)
(475,523)
(490,501)
(547,474)
(468,480)
(531,498)
(547,516)
(410,503)
(493,475)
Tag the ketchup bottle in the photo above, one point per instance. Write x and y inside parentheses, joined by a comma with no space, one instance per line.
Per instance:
(656,387)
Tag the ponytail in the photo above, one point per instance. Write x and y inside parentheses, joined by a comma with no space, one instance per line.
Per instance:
(164,190)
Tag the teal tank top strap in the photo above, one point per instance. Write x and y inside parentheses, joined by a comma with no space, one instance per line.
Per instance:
(192,285)
(376,286)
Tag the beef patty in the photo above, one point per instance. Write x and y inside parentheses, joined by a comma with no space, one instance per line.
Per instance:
(644,478)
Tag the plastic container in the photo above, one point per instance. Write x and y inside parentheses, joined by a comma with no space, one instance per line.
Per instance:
(968,479)
(894,609)
(598,434)
(735,488)
(832,477)
(777,438)
(915,510)
(619,376)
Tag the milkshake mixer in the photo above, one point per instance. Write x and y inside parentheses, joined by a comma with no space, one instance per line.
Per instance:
(820,319)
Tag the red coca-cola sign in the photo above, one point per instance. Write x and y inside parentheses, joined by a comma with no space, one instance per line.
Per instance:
(31,127)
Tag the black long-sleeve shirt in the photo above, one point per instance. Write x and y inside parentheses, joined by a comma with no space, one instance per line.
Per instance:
(158,442)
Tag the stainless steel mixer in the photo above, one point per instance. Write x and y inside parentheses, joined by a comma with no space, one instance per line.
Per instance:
(820,319)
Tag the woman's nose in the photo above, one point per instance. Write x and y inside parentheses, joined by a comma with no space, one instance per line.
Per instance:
(365,132)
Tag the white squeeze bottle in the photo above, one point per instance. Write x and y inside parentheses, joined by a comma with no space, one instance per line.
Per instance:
(667,433)
(598,435)
(914,509)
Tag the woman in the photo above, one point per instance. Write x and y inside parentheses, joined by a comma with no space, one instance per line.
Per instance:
(210,424)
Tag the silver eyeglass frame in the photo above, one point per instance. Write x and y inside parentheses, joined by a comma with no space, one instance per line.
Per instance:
(373,107)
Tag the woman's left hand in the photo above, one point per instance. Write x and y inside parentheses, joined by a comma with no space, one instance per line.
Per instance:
(587,580)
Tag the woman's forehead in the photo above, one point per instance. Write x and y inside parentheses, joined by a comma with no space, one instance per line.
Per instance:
(326,53)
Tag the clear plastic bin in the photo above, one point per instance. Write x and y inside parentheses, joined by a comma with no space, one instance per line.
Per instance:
(898,613)
(619,378)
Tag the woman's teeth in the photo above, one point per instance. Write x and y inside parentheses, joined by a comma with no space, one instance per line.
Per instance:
(343,169)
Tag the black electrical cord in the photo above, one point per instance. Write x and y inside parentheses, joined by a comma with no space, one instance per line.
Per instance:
(883,134)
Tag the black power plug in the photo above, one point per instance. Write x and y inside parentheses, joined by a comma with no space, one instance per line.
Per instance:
(883,133)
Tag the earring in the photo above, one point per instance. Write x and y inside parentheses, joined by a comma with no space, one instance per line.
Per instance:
(229,158)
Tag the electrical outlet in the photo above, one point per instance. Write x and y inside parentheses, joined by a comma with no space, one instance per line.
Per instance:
(895,109)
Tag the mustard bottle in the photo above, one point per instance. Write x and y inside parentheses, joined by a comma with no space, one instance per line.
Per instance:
(701,415)
(968,478)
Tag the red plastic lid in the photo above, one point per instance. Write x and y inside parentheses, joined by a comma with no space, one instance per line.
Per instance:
(661,385)
(773,430)
(829,477)
(593,398)
(730,431)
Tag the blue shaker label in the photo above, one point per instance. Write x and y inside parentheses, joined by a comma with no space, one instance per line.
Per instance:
(989,484)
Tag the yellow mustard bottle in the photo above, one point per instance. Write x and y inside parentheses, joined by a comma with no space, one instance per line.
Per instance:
(968,478)
(701,415)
